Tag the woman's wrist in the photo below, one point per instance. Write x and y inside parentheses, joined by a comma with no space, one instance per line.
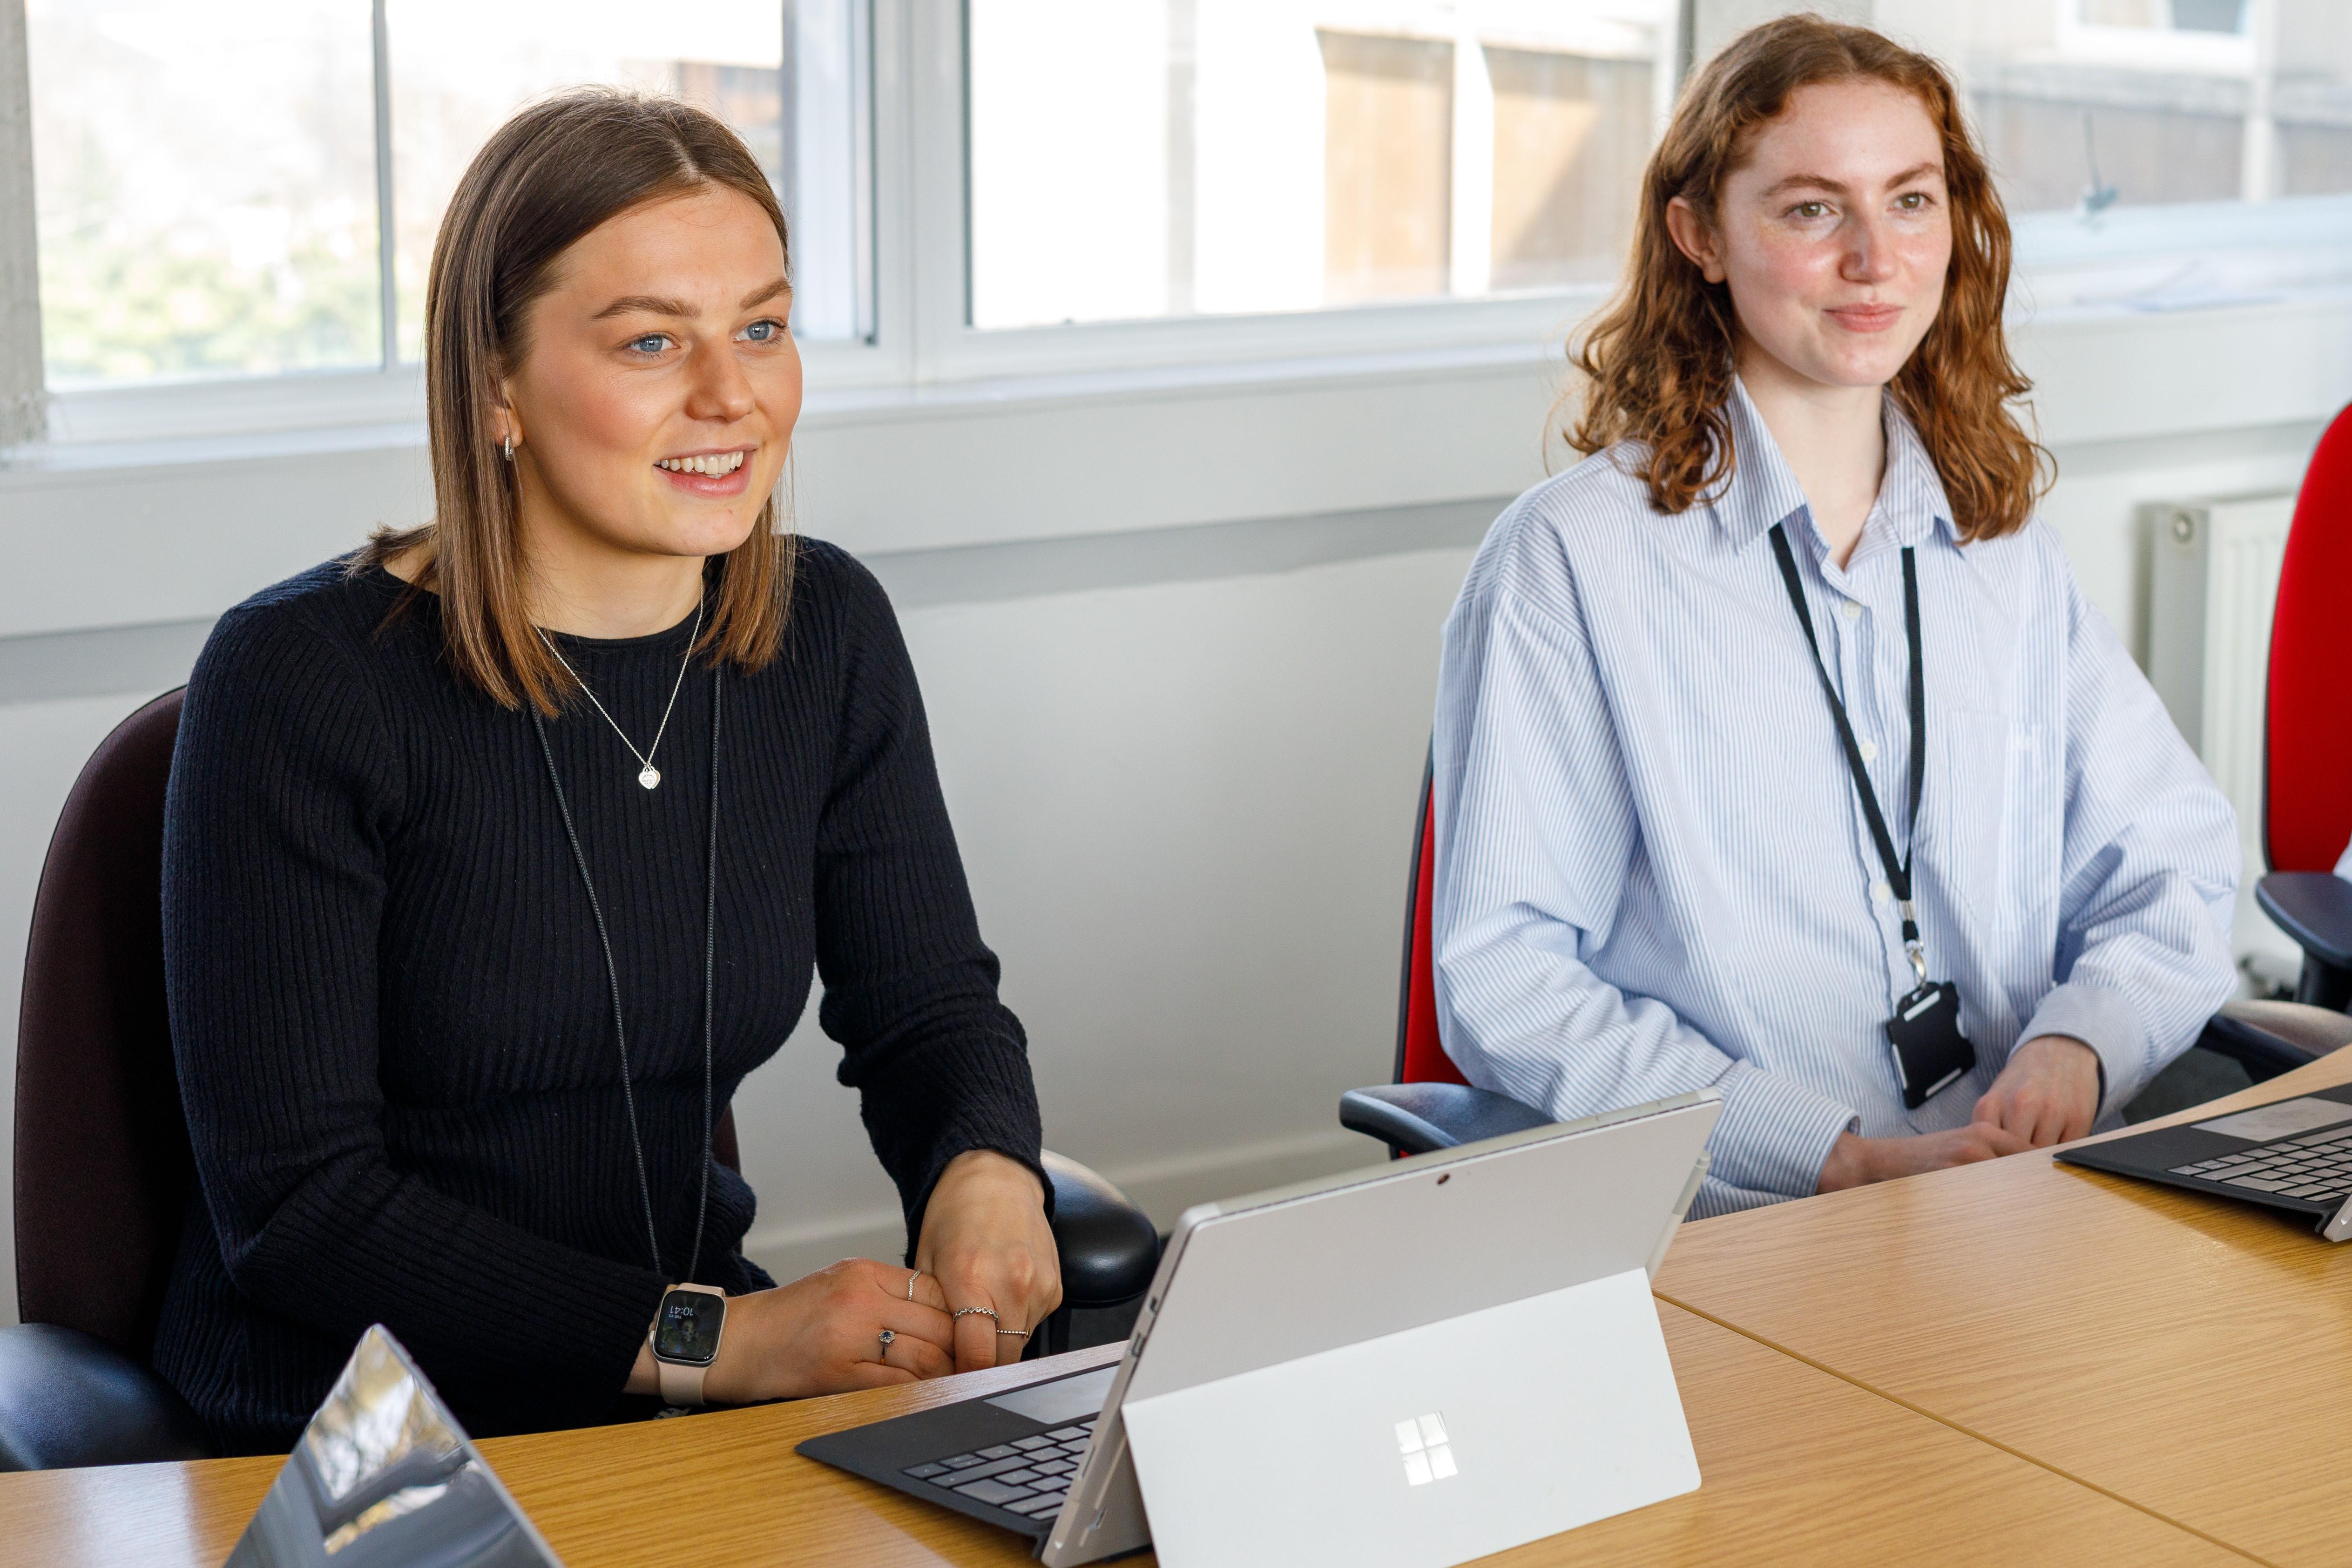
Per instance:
(984,1170)
(729,1378)
(1848,1164)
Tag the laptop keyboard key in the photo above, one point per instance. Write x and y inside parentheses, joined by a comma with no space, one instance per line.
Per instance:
(995,1492)
(1021,1478)
(925,1472)
(1028,1443)
(1001,1451)
(963,1461)
(1064,1434)
(975,1473)
(2259,1184)
(1037,1507)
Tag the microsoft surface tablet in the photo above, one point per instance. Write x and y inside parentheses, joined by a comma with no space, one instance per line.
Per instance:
(1355,1265)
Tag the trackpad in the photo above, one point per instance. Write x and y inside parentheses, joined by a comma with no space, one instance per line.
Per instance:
(1067,1398)
(2283,1120)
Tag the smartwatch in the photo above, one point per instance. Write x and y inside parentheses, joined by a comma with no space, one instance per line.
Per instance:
(684,1340)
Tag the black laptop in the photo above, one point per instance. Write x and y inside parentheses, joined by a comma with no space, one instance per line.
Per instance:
(1010,1460)
(2291,1154)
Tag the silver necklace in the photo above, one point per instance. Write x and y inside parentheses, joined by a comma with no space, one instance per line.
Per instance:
(651,776)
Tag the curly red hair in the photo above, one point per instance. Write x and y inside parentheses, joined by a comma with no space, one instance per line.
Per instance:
(1658,361)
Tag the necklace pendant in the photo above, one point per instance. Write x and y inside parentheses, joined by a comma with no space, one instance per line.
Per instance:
(650,777)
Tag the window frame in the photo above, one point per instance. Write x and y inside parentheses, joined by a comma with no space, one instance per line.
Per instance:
(923,348)
(391,392)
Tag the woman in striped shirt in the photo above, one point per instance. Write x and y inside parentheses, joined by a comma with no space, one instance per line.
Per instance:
(1923,878)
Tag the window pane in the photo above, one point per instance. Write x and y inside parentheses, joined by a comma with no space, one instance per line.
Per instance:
(1388,165)
(1571,136)
(1253,155)
(460,68)
(206,193)
(2097,106)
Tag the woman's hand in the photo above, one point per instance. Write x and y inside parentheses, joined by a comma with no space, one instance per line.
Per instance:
(822,1335)
(1856,1162)
(2049,1092)
(986,1241)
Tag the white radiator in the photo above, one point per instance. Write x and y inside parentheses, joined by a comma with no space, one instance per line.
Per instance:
(2212,585)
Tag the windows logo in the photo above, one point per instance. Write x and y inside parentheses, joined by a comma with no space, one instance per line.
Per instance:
(1428,1455)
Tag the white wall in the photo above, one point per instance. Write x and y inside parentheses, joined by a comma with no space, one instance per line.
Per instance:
(1185,808)
(1179,647)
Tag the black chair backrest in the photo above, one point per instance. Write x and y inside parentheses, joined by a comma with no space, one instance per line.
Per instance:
(103,1164)
(103,1169)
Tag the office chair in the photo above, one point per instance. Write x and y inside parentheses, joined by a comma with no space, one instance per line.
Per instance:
(1432,1106)
(103,1169)
(2306,741)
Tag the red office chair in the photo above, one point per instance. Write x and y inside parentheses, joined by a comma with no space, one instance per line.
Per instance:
(1432,1106)
(103,1168)
(2308,735)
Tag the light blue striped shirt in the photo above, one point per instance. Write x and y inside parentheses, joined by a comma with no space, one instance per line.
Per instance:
(1654,872)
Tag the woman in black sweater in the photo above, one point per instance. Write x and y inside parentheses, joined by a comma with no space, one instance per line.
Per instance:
(497,856)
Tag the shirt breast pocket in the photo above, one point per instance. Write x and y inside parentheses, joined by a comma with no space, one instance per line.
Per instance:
(1966,806)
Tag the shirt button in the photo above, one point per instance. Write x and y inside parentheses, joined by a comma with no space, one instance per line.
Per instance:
(1881,891)
(1870,750)
(1849,610)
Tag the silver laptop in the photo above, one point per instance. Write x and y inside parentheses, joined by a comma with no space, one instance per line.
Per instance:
(1401,1367)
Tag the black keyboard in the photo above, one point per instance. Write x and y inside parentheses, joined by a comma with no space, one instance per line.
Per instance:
(1029,1476)
(2316,1165)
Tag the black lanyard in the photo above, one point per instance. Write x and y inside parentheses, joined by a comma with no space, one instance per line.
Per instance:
(1898,873)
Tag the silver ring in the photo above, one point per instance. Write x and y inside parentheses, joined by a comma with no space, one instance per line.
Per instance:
(918,1274)
(888,1336)
(1014,1334)
(990,1312)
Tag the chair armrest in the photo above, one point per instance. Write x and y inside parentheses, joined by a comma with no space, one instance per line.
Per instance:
(1108,1247)
(1420,1118)
(2268,1038)
(69,1399)
(2313,907)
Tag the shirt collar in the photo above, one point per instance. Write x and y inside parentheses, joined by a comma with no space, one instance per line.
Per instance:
(1762,491)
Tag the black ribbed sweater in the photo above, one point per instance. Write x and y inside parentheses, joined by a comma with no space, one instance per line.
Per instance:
(391,1020)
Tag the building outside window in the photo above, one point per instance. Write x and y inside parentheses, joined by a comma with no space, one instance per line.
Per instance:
(1220,157)
(212,182)
(1264,156)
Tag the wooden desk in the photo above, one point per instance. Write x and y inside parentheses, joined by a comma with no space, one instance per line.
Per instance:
(2189,1355)
(1800,1467)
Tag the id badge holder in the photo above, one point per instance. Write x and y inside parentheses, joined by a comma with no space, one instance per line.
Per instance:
(1930,1052)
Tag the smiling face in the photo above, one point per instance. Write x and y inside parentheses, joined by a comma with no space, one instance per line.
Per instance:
(1834,237)
(658,387)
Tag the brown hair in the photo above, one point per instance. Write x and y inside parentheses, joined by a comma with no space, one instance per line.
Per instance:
(546,177)
(1658,362)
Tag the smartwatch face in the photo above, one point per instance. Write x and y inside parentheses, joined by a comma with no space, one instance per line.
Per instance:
(688,1327)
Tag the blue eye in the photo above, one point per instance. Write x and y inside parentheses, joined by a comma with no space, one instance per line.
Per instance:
(651,344)
(764,331)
